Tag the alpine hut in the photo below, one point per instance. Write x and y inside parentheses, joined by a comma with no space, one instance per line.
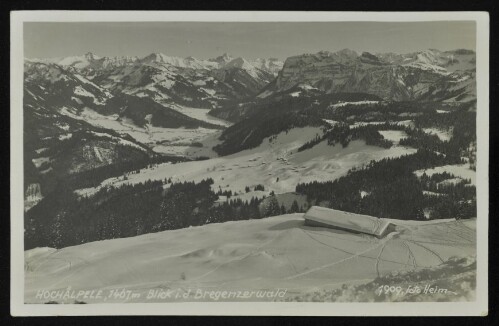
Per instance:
(350,222)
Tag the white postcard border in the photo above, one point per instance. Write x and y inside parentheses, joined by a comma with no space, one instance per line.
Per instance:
(477,308)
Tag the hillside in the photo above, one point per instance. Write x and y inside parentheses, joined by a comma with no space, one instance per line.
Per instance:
(255,255)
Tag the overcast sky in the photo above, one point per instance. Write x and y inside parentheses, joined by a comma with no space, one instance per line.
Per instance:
(251,40)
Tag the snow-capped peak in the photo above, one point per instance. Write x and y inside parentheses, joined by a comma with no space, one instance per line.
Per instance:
(222,60)
(226,57)
(239,63)
(189,62)
(347,53)
(272,65)
(159,58)
(91,57)
(79,61)
(117,61)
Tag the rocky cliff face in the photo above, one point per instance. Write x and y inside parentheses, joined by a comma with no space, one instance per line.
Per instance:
(313,68)
(389,76)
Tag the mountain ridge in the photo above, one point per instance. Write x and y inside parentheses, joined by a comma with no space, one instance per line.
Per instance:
(391,76)
(90,59)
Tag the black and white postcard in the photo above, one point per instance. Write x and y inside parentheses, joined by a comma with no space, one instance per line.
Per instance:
(249,163)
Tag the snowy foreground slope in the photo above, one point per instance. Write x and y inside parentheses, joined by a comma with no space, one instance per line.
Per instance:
(254,255)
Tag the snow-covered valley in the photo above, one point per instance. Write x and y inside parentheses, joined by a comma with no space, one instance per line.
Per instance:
(276,164)
(171,141)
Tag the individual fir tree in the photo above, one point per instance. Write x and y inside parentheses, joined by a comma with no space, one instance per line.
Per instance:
(283,209)
(111,228)
(58,230)
(139,226)
(294,207)
(272,208)
(419,213)
(259,187)
(254,208)
(174,211)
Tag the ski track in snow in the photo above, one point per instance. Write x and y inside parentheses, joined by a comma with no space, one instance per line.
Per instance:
(378,258)
(333,263)
(410,255)
(276,252)
(429,250)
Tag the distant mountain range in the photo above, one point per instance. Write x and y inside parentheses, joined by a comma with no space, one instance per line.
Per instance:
(93,61)
(169,79)
(429,75)
(62,95)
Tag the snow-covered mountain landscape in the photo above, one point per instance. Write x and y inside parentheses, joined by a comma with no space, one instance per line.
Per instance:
(164,173)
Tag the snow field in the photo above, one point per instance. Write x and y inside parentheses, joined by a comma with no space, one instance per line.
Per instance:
(200,114)
(443,135)
(393,135)
(276,252)
(459,170)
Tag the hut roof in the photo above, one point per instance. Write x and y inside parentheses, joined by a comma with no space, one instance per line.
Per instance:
(326,217)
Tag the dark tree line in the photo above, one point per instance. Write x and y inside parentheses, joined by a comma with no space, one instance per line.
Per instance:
(380,111)
(389,188)
(63,218)
(251,132)
(343,134)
